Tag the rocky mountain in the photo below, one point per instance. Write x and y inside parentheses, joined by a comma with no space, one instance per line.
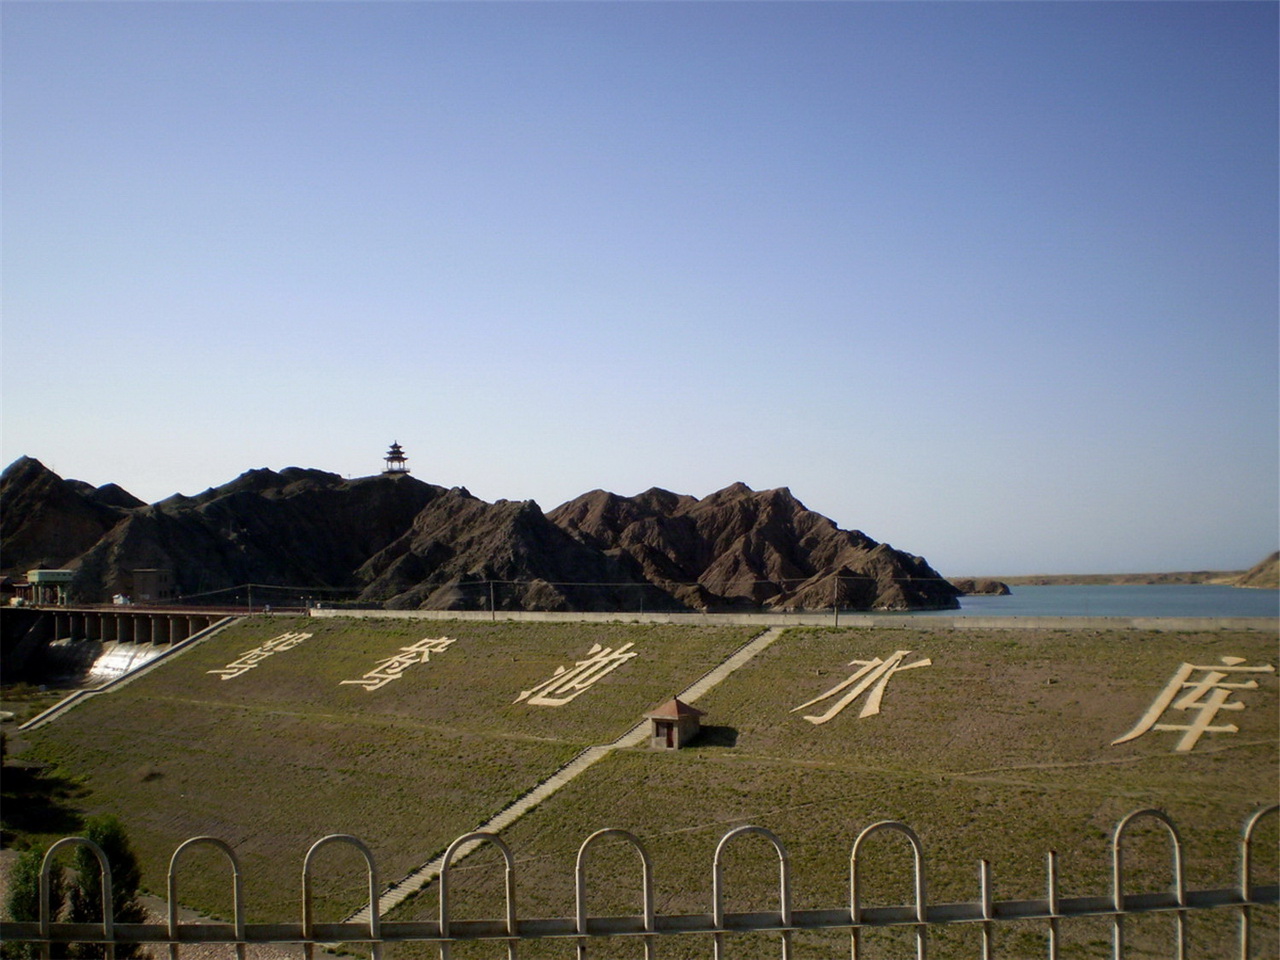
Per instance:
(394,540)
(1264,575)
(46,521)
(297,527)
(461,553)
(743,548)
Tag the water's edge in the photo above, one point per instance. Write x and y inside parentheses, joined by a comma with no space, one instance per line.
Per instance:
(1125,600)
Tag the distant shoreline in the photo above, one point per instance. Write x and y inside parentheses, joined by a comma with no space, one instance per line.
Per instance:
(1223,577)
(1264,575)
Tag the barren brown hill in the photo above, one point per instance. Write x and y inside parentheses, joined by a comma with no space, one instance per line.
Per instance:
(299,527)
(1265,575)
(296,527)
(743,547)
(394,540)
(47,521)
(461,553)
(979,587)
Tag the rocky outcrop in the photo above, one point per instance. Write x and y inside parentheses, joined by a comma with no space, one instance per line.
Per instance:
(1265,575)
(48,521)
(296,527)
(739,548)
(461,553)
(980,587)
(394,540)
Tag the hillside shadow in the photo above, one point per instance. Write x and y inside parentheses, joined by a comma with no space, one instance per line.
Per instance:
(37,801)
(713,736)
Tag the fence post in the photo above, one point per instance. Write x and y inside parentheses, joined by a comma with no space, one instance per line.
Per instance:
(1246,882)
(580,888)
(1051,867)
(375,919)
(477,838)
(855,892)
(108,907)
(784,887)
(1117,864)
(236,892)
(984,887)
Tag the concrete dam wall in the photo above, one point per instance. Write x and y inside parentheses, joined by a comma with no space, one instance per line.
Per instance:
(88,646)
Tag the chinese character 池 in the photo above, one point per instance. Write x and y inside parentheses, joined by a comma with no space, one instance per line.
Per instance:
(1198,699)
(873,675)
(565,684)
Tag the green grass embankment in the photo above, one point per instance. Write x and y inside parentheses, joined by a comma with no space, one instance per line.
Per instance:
(285,753)
(1000,750)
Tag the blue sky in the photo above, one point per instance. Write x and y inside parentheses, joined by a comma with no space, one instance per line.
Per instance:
(994,283)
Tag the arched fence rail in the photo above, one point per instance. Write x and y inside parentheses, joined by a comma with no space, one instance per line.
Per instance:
(1053,910)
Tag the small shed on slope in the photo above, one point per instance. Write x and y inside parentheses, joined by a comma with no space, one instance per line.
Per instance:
(674,724)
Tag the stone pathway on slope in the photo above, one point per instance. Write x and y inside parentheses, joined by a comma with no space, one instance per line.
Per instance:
(562,777)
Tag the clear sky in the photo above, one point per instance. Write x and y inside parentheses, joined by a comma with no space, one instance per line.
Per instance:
(993,282)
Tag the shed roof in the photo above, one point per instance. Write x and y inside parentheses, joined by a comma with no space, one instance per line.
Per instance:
(673,710)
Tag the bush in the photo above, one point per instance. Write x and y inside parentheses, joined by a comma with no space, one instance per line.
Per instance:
(23,902)
(86,883)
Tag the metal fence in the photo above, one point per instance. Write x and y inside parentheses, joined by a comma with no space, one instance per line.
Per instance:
(920,916)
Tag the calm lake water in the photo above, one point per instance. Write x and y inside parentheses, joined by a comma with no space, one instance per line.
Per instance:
(1191,600)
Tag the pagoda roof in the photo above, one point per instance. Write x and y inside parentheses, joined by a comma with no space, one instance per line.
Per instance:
(674,709)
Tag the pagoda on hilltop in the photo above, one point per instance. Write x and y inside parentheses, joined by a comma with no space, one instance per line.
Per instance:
(397,462)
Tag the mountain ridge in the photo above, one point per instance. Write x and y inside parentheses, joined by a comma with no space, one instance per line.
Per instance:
(396,541)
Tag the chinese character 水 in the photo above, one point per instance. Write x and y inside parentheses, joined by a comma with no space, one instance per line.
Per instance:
(873,675)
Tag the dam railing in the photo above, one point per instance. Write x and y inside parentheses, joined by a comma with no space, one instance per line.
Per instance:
(1052,913)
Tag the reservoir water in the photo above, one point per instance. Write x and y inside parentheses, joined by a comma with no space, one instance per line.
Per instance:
(1129,600)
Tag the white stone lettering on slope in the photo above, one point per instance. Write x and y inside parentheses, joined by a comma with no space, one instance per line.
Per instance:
(1197,693)
(565,684)
(393,668)
(872,675)
(251,658)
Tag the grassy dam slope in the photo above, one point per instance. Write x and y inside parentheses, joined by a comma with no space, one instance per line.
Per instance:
(992,744)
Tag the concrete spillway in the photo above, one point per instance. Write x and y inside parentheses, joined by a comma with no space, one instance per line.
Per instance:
(117,659)
(101,666)
(61,644)
(91,663)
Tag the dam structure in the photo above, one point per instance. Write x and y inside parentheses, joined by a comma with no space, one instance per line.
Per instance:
(91,650)
(119,624)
